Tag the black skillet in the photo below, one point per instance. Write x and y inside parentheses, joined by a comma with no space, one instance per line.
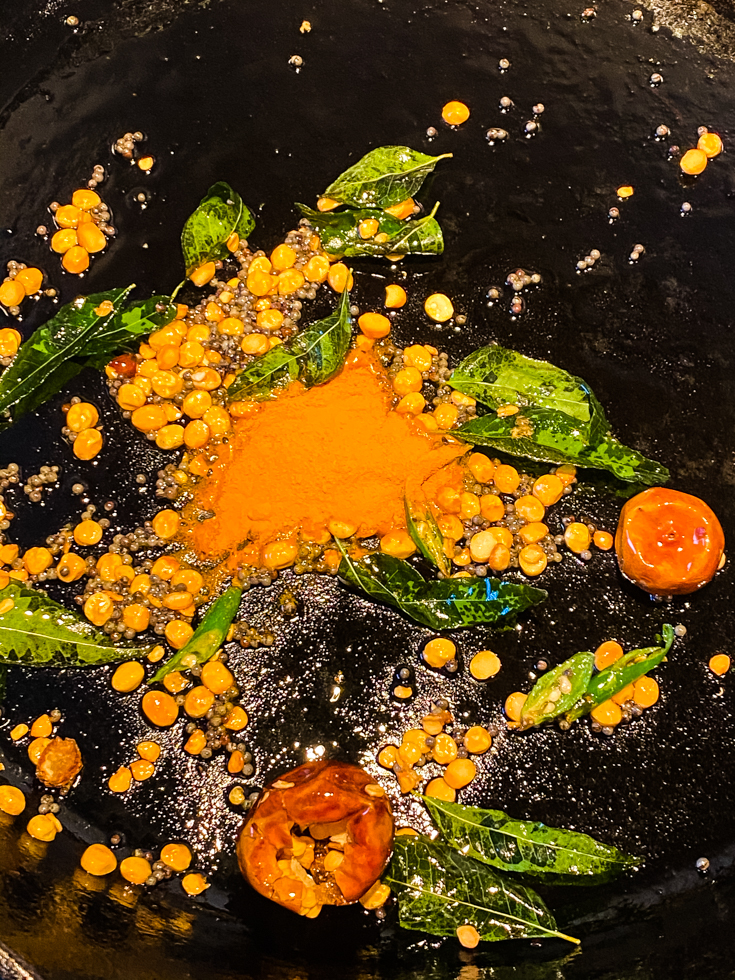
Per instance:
(211,87)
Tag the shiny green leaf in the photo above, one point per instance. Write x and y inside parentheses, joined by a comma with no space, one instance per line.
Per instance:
(207,229)
(38,632)
(439,889)
(525,846)
(340,235)
(314,356)
(385,176)
(498,376)
(57,351)
(560,420)
(439,604)
(555,438)
(126,327)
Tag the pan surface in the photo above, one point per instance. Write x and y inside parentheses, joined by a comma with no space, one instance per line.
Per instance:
(211,87)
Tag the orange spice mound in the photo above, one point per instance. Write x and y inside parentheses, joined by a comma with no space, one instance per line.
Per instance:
(335,452)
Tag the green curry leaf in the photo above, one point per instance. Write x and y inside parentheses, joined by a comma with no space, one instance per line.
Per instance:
(385,176)
(57,351)
(560,856)
(322,346)
(314,356)
(551,437)
(439,889)
(443,604)
(207,229)
(127,326)
(339,233)
(36,631)
(498,376)
(265,374)
(559,418)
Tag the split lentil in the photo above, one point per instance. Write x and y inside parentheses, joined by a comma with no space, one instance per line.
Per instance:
(422,750)
(455,113)
(43,827)
(719,664)
(21,281)
(83,226)
(12,800)
(98,860)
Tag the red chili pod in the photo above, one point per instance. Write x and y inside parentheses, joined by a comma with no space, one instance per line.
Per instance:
(319,835)
(123,366)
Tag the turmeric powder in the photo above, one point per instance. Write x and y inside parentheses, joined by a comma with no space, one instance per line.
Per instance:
(333,454)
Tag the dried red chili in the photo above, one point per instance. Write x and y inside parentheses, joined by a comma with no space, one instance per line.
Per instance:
(319,835)
(123,366)
(60,763)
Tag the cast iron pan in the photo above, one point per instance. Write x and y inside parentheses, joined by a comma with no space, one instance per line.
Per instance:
(211,87)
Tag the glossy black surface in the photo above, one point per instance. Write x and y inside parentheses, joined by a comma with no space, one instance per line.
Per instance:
(212,89)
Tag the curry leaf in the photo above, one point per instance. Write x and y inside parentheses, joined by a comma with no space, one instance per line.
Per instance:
(443,604)
(35,631)
(536,433)
(205,234)
(127,326)
(209,635)
(558,690)
(439,889)
(57,351)
(322,346)
(618,675)
(314,356)
(498,376)
(491,836)
(559,418)
(425,534)
(263,375)
(385,176)
(339,233)
(623,462)
(551,437)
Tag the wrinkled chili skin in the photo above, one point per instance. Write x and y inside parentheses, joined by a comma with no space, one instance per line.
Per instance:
(323,792)
(60,763)
(123,366)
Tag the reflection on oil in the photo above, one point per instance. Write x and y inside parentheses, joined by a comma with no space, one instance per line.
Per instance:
(551,970)
(470,973)
(124,894)
(70,922)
